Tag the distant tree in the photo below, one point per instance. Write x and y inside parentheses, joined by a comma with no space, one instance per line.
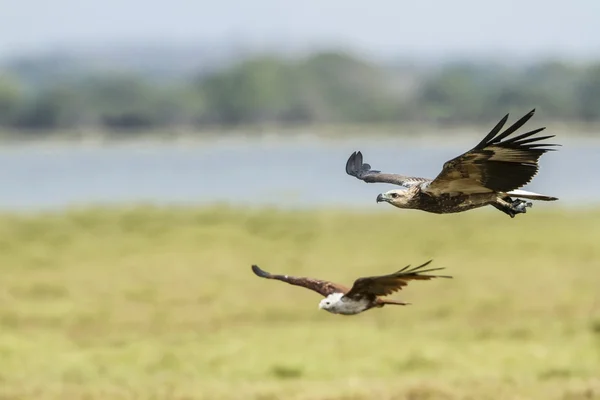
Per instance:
(550,87)
(257,90)
(121,101)
(11,99)
(60,106)
(323,87)
(589,94)
(349,89)
(453,95)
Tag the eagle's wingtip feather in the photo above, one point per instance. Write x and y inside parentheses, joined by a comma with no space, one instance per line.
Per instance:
(351,163)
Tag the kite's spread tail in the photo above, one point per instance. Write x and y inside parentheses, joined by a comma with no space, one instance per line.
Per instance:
(531,195)
(383,302)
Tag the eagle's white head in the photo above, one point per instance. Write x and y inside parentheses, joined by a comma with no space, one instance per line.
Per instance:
(330,302)
(396,197)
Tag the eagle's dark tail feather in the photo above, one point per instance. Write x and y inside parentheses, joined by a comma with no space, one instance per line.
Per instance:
(531,195)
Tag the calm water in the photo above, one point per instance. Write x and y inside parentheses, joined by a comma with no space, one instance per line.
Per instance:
(301,173)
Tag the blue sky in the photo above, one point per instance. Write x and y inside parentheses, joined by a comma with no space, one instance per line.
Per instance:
(380,27)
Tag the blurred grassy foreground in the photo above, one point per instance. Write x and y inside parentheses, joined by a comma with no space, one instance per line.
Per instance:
(160,303)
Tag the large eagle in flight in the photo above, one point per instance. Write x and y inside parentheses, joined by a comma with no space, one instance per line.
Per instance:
(488,174)
(365,292)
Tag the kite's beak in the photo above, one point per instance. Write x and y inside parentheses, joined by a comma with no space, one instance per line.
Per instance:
(380,198)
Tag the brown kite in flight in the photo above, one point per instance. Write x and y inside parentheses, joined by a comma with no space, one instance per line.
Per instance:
(365,293)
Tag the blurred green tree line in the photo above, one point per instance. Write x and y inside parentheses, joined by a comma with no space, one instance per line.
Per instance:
(326,87)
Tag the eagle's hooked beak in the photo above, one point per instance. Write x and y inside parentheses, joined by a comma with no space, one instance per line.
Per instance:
(380,197)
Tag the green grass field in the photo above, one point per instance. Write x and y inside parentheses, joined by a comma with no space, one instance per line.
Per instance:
(160,303)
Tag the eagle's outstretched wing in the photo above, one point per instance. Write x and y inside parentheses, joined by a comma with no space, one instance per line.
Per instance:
(496,164)
(387,284)
(324,288)
(355,167)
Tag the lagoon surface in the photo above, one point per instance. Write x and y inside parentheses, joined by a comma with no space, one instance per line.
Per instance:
(287,173)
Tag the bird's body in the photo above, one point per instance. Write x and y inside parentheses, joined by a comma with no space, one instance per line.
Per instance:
(365,293)
(418,198)
(336,303)
(445,203)
(489,174)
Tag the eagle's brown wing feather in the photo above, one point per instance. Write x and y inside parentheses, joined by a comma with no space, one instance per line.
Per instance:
(495,164)
(324,288)
(387,284)
(356,168)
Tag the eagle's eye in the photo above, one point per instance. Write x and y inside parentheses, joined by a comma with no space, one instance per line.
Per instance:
(394,195)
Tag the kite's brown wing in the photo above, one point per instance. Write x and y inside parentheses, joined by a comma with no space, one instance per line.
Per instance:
(494,165)
(387,284)
(356,168)
(324,288)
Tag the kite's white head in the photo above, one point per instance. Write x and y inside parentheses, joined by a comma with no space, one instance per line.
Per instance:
(336,303)
(398,197)
(330,302)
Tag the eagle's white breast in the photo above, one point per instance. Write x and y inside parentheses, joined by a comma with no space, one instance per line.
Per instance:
(336,303)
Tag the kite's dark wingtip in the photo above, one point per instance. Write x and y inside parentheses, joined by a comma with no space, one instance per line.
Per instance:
(259,272)
(426,263)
